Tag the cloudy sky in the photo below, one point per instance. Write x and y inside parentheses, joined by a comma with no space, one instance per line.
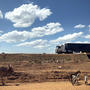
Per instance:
(38,26)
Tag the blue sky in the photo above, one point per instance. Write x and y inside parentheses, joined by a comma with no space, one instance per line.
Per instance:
(38,26)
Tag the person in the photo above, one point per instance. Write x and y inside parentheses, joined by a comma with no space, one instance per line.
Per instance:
(86,79)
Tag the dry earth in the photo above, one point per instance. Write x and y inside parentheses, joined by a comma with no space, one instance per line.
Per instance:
(47,86)
(35,72)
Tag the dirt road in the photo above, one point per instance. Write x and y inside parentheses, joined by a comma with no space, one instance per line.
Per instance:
(46,86)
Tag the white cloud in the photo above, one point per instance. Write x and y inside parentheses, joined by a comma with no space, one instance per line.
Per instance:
(1,15)
(14,36)
(67,37)
(1,31)
(35,44)
(82,42)
(87,36)
(89,26)
(20,36)
(79,26)
(49,29)
(26,14)
(52,43)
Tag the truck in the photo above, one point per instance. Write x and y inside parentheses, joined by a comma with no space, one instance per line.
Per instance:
(73,48)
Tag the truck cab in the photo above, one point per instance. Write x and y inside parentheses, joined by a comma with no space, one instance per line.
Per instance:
(60,49)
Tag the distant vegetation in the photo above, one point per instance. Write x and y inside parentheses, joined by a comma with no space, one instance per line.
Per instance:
(41,58)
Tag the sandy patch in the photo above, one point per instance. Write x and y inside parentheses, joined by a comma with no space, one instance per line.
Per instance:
(47,86)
